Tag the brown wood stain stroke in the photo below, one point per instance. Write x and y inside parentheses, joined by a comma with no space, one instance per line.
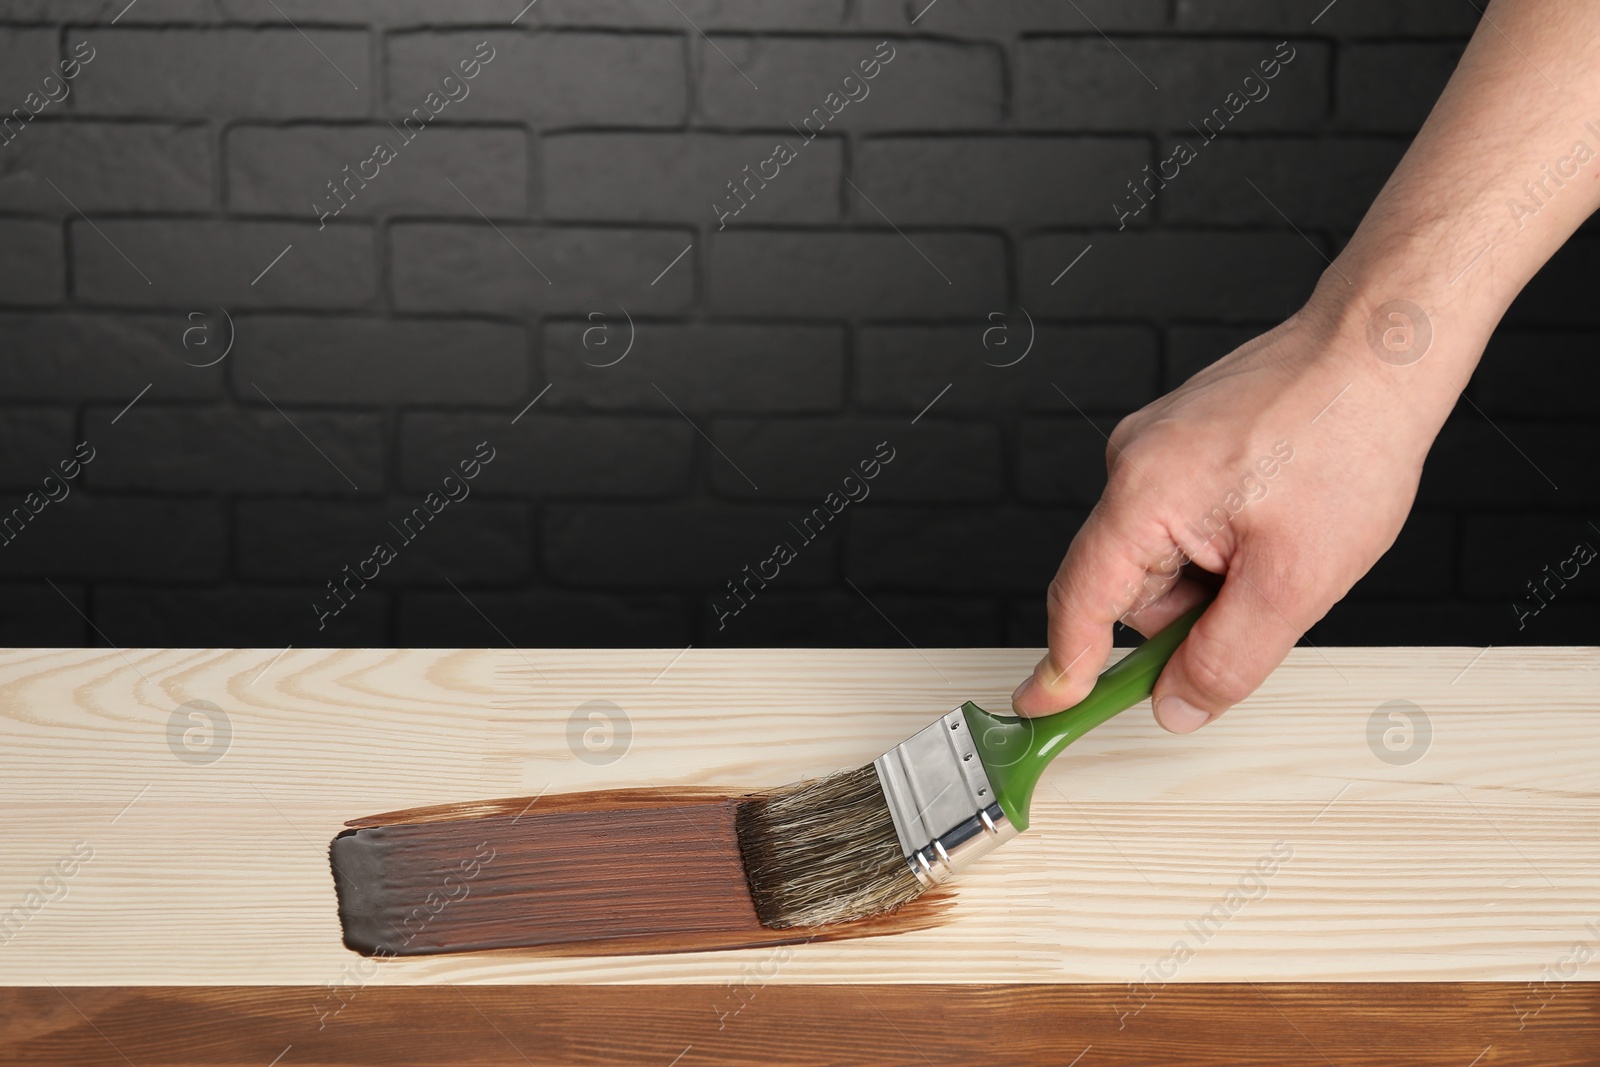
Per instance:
(607,873)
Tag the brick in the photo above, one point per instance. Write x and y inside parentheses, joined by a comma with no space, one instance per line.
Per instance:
(304,540)
(26,56)
(680,546)
(1507,464)
(32,442)
(925,85)
(1420,563)
(32,270)
(444,267)
(627,14)
(86,12)
(1565,622)
(1562,293)
(958,550)
(323,360)
(1027,624)
(104,166)
(1088,83)
(287,169)
(806,459)
(1538,375)
(1098,368)
(1456,622)
(239,617)
(236,73)
(1062,461)
(801,620)
(549,455)
(1007,18)
(381,12)
(1448,622)
(33,615)
(596,176)
(200,450)
(1364,17)
(542,618)
(1391,87)
(1022,182)
(1191,349)
(1203,275)
(1501,554)
(86,535)
(835,275)
(705,14)
(78,356)
(1561,622)
(273,12)
(701,367)
(1320,183)
(547,79)
(200,263)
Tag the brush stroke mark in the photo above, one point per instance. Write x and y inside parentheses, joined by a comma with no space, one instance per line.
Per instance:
(616,872)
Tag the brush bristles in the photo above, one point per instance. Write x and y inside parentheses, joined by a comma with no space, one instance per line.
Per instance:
(824,852)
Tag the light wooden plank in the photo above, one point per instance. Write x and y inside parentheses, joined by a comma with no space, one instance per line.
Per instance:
(1478,861)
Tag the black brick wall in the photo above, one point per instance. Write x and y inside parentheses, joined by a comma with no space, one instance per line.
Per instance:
(523,240)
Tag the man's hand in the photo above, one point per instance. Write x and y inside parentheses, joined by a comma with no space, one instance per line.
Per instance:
(1288,467)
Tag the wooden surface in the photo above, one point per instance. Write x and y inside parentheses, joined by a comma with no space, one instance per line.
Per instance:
(1479,861)
(1244,1025)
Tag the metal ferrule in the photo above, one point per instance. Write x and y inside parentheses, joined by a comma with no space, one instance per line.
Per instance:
(944,808)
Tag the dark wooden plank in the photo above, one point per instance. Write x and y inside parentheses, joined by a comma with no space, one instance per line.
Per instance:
(1226,1025)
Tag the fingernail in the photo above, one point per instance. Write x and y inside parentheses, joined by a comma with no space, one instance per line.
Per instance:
(1016,694)
(1178,716)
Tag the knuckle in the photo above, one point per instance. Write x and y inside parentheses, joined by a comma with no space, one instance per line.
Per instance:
(1217,675)
(1118,440)
(1122,484)
(1057,597)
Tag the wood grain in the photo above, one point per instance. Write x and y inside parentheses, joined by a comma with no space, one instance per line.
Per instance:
(1233,1025)
(1476,862)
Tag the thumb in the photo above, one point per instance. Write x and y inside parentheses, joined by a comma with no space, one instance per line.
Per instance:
(1242,637)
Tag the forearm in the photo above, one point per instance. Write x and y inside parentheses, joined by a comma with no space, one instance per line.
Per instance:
(1504,170)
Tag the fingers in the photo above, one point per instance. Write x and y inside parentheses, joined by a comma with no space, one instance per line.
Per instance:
(1088,594)
(1153,617)
(1239,640)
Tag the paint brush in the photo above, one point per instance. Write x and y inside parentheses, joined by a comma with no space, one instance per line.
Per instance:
(675,870)
(870,840)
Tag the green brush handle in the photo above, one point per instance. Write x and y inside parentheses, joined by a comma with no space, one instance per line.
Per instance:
(1015,751)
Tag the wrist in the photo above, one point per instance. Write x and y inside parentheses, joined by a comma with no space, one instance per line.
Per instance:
(1459,295)
(1399,331)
